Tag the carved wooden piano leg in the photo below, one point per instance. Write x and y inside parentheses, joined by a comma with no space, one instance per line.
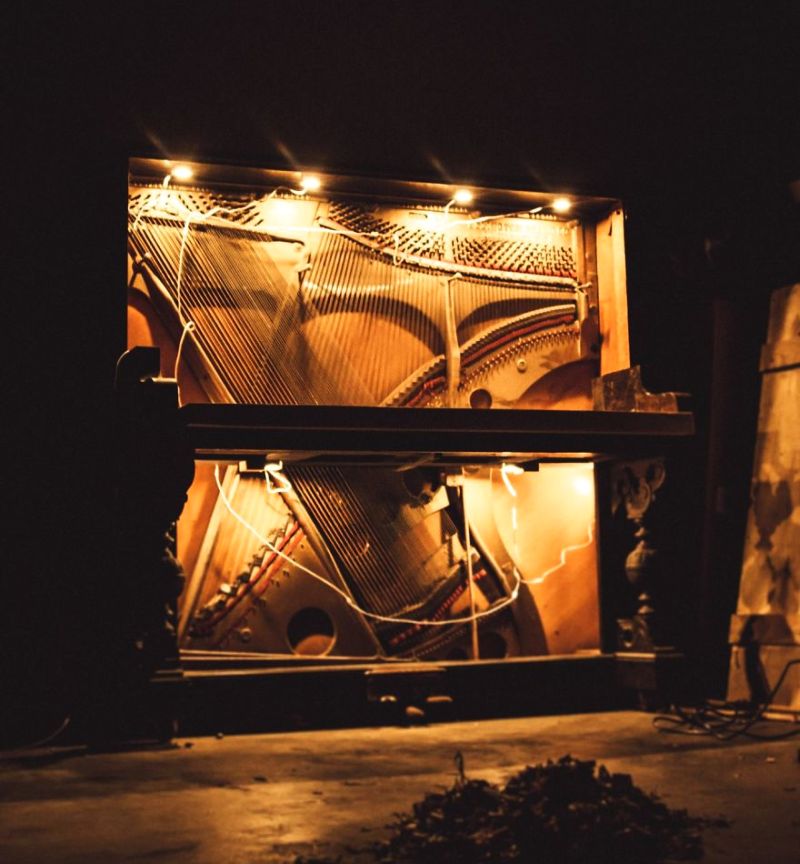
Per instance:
(153,472)
(647,664)
(634,487)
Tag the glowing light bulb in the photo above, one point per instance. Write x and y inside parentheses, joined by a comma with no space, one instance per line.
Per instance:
(460,196)
(182,173)
(582,485)
(561,205)
(310,183)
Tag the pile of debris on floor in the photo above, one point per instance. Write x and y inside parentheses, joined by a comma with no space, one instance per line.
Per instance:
(565,811)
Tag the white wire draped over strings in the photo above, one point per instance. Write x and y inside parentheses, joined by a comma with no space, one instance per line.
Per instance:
(161,202)
(171,203)
(276,483)
(390,619)
(188,325)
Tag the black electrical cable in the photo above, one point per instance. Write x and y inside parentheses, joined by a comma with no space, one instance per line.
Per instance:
(48,739)
(727,720)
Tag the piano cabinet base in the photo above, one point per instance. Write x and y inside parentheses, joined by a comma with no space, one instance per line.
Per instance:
(209,699)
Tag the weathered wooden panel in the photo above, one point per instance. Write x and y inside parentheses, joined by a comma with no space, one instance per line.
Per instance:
(771,568)
(611,277)
(769,597)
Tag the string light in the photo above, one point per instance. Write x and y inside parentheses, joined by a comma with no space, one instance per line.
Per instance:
(182,173)
(159,202)
(170,202)
(506,471)
(460,196)
(397,255)
(308,183)
(475,220)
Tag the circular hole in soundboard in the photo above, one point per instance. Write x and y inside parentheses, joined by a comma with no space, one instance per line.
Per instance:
(492,646)
(310,632)
(480,398)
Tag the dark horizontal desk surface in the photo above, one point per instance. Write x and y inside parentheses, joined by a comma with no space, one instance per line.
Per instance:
(326,433)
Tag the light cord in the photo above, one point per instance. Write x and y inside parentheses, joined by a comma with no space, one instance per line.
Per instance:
(491,218)
(507,469)
(188,325)
(187,328)
(276,482)
(563,558)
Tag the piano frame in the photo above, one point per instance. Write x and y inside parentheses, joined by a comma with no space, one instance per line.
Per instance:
(238,691)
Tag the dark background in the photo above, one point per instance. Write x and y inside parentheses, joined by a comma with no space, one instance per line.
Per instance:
(687,111)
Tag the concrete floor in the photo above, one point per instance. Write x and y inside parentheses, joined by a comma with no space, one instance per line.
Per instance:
(263,799)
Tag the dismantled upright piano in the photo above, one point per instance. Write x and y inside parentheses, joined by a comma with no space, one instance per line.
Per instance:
(394,424)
